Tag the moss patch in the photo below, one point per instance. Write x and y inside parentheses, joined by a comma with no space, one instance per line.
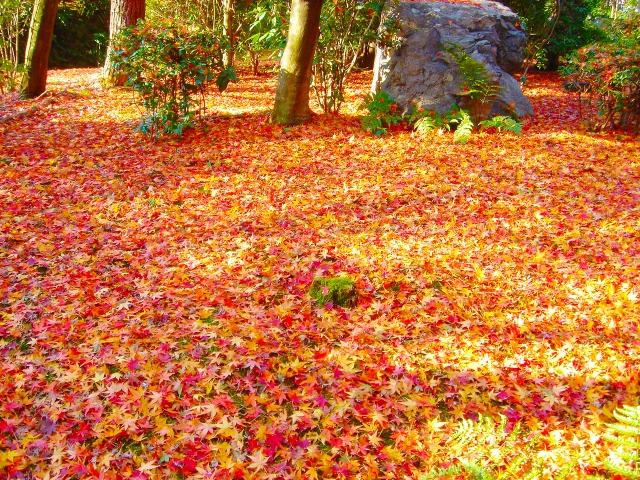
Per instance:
(339,291)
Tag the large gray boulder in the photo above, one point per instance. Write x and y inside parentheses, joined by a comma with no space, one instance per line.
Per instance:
(418,74)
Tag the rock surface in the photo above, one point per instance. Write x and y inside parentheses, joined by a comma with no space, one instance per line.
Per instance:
(417,75)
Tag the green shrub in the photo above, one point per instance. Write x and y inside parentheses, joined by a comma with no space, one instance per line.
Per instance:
(170,67)
(81,34)
(262,29)
(346,27)
(382,113)
(610,73)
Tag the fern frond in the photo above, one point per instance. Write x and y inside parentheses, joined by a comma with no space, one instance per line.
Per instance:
(621,470)
(628,456)
(513,467)
(464,130)
(536,471)
(625,460)
(624,429)
(477,83)
(452,471)
(478,472)
(619,440)
(566,470)
(428,124)
(502,122)
(488,452)
(627,414)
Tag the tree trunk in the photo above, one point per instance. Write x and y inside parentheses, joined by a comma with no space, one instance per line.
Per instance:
(34,80)
(124,13)
(229,31)
(292,97)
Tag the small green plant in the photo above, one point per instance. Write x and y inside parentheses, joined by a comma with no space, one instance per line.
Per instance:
(625,435)
(170,67)
(383,112)
(478,90)
(502,122)
(464,126)
(460,121)
(426,121)
(339,291)
(485,451)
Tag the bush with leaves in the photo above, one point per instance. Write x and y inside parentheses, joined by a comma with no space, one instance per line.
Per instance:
(170,67)
(262,28)
(382,113)
(345,28)
(610,73)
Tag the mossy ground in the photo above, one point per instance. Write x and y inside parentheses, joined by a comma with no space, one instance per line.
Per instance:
(339,291)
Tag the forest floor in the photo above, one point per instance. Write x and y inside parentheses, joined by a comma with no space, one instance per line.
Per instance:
(155,318)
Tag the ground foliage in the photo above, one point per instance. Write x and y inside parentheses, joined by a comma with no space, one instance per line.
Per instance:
(155,321)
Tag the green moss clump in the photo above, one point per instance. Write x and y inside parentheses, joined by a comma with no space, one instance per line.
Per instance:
(340,291)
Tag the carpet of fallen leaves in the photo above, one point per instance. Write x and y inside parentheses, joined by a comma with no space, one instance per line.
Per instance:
(155,321)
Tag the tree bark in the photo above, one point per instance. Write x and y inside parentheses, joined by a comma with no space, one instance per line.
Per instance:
(43,19)
(124,13)
(292,96)
(229,31)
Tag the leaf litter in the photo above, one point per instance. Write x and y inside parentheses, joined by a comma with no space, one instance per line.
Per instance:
(155,321)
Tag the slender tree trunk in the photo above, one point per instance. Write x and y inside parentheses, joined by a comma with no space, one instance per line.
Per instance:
(34,80)
(124,13)
(229,31)
(292,97)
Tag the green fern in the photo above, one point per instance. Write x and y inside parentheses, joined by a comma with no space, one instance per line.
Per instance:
(489,453)
(430,123)
(477,82)
(625,459)
(501,122)
(465,128)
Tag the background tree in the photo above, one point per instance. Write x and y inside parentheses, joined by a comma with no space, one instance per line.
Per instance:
(14,22)
(539,19)
(228,25)
(43,18)
(81,34)
(556,28)
(575,29)
(346,27)
(294,81)
(262,30)
(124,13)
